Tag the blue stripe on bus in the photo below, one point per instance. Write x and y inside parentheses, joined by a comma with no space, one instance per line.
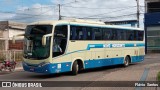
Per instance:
(66,66)
(75,51)
(103,62)
(94,46)
(137,58)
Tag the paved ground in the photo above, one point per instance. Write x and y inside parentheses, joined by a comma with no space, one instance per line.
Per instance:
(143,71)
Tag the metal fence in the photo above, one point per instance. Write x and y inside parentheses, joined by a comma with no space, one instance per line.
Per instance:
(15,55)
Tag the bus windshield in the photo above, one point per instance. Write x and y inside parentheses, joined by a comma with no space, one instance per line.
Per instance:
(33,48)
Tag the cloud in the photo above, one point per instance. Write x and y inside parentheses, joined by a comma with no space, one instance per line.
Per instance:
(108,6)
(104,10)
(35,13)
(107,10)
(6,16)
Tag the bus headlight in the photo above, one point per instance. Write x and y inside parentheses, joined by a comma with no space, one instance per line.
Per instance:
(42,64)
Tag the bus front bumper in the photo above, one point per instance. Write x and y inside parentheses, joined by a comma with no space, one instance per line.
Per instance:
(47,68)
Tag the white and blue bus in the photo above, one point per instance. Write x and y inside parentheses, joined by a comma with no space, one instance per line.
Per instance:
(74,45)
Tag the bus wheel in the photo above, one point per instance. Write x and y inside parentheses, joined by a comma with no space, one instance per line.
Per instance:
(126,61)
(75,68)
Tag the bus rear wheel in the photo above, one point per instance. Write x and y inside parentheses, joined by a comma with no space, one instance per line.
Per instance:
(126,61)
(75,68)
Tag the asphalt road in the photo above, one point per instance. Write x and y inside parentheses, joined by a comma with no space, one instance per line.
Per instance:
(112,73)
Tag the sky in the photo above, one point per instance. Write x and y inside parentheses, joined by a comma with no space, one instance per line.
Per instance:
(28,11)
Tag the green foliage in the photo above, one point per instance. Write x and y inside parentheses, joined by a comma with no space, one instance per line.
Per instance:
(158,76)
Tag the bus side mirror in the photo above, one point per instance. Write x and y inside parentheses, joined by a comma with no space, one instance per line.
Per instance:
(13,39)
(44,39)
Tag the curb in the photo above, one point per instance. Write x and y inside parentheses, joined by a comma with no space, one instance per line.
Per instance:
(8,72)
(18,68)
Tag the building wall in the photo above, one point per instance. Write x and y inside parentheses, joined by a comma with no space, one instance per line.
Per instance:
(152,26)
(2,44)
(7,30)
(17,46)
(13,32)
(153,37)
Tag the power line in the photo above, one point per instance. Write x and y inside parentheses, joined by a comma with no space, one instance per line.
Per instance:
(97,8)
(21,13)
(109,12)
(68,3)
(103,17)
(32,16)
(120,16)
(111,17)
(73,2)
(59,7)
(37,7)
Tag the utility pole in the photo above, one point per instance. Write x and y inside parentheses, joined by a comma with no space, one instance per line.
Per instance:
(138,13)
(59,7)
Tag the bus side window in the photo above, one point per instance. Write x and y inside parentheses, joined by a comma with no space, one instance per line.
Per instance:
(114,34)
(93,34)
(84,33)
(106,34)
(120,34)
(140,35)
(130,35)
(89,33)
(73,33)
(135,34)
(123,34)
(79,33)
(97,32)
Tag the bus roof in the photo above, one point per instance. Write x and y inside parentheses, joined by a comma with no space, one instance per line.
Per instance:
(83,23)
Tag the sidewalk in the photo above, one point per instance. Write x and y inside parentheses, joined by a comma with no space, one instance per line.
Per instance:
(19,66)
(139,72)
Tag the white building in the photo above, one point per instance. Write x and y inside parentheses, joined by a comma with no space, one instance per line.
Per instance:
(7,30)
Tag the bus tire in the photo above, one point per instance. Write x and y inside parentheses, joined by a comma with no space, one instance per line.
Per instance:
(126,61)
(75,68)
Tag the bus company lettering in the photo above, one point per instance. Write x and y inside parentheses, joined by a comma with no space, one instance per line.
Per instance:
(118,45)
(107,45)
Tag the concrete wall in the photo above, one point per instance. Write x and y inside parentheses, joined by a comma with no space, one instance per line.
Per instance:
(13,32)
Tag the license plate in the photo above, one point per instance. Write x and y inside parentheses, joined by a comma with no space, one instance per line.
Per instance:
(32,69)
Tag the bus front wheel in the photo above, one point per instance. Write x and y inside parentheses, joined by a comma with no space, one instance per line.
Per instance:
(75,68)
(126,61)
